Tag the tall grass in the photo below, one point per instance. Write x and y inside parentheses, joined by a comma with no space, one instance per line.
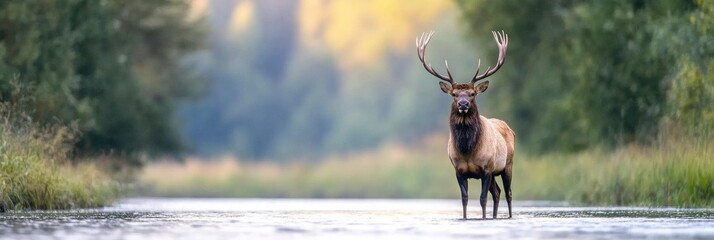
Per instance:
(674,172)
(392,171)
(35,171)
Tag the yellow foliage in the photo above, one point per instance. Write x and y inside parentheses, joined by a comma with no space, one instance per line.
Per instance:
(197,8)
(242,16)
(360,32)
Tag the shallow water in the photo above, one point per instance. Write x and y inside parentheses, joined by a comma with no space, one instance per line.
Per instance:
(147,218)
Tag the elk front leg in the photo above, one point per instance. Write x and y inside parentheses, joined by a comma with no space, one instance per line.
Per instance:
(485,185)
(496,195)
(464,187)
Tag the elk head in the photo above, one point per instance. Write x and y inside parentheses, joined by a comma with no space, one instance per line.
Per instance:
(464,94)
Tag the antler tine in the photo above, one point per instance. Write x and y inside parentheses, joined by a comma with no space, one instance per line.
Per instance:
(421,44)
(502,42)
(478,67)
(446,63)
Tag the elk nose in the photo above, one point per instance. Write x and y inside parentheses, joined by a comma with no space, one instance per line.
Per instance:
(463,105)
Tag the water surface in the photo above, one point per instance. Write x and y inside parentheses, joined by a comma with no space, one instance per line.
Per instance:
(148,218)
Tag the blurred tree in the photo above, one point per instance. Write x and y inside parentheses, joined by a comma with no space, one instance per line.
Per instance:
(303,79)
(691,97)
(383,92)
(245,109)
(361,32)
(113,66)
(588,72)
(310,87)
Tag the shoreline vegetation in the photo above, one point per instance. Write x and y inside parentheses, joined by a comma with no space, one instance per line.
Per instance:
(672,172)
(36,171)
(89,89)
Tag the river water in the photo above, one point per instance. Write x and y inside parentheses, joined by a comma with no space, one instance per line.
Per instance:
(157,218)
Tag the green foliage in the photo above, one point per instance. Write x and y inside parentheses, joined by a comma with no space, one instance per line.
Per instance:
(34,170)
(583,73)
(114,67)
(691,97)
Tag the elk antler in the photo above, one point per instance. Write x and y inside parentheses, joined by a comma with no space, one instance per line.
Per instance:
(502,41)
(421,43)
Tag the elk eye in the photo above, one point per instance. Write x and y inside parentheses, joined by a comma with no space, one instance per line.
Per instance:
(472,94)
(453,94)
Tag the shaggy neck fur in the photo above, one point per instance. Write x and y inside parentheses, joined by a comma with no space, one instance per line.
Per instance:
(465,129)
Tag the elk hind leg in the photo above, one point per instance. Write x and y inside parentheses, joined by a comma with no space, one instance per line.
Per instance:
(506,177)
(496,195)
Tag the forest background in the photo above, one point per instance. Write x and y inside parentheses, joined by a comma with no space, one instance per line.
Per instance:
(326,98)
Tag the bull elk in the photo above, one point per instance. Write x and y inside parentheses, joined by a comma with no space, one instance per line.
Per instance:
(479,147)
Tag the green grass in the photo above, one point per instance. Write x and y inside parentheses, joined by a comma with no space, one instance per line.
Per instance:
(677,172)
(672,174)
(35,172)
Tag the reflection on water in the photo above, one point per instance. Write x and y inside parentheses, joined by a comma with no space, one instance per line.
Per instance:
(328,219)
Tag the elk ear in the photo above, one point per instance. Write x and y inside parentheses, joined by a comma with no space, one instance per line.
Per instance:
(446,88)
(481,87)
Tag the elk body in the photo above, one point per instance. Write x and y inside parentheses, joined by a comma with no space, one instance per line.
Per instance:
(478,147)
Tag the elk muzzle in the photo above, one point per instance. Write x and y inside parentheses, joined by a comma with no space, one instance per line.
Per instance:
(463,106)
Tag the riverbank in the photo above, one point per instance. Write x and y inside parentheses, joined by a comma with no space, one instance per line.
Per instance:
(676,173)
(36,173)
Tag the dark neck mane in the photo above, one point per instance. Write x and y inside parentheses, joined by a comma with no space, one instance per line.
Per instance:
(465,129)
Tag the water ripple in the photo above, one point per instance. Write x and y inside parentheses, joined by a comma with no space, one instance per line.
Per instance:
(339,218)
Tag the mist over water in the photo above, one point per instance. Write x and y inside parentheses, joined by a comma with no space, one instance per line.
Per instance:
(148,218)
